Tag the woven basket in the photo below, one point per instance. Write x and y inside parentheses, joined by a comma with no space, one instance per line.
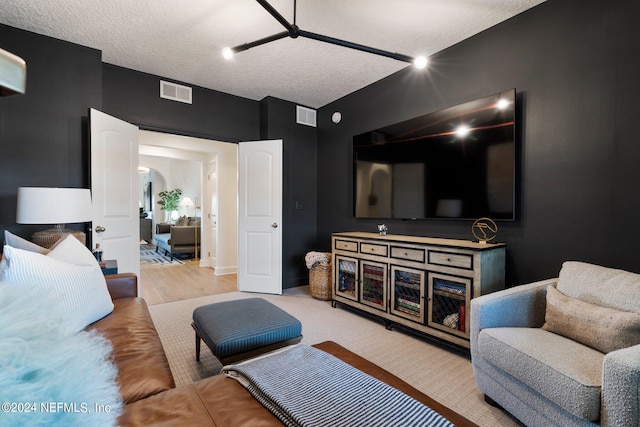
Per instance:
(320,281)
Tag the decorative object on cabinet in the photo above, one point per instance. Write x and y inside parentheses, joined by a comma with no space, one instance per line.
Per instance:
(424,284)
(59,206)
(484,229)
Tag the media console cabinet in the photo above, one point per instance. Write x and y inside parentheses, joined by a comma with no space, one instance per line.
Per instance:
(425,284)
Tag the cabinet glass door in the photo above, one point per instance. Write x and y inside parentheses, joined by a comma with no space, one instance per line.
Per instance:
(407,287)
(346,271)
(373,278)
(448,303)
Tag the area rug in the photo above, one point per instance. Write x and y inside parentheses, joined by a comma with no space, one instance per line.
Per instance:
(444,375)
(150,258)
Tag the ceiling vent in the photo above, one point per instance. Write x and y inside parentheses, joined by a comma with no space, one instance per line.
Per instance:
(305,116)
(175,92)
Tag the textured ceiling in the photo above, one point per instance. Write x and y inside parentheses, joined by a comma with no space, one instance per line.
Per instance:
(182,40)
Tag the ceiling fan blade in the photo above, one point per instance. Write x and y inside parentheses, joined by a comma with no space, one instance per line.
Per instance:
(264,40)
(277,15)
(356,46)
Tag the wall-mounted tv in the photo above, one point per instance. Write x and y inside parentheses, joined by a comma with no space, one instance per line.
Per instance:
(454,163)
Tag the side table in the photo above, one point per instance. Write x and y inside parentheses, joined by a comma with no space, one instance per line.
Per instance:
(109,266)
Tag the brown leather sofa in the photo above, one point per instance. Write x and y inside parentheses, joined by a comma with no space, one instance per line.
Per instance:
(148,389)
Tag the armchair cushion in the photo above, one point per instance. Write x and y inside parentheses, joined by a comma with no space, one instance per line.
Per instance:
(602,328)
(564,371)
(595,284)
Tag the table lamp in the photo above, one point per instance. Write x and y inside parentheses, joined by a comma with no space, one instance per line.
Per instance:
(187,203)
(13,74)
(59,206)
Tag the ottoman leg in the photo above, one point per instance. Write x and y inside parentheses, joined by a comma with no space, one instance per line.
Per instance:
(198,339)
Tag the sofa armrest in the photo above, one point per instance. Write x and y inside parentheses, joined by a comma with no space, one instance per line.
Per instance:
(123,285)
(621,387)
(521,306)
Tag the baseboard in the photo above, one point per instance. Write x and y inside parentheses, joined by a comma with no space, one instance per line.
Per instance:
(221,271)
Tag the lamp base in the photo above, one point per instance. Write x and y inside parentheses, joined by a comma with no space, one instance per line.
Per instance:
(48,238)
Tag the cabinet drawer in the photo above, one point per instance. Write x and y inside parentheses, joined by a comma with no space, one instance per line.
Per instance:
(369,248)
(409,254)
(346,245)
(448,259)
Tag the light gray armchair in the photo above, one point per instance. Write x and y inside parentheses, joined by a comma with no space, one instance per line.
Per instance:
(532,348)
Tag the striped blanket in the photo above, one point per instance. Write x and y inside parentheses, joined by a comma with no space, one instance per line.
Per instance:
(304,386)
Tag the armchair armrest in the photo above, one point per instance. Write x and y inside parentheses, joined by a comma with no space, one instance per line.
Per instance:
(521,306)
(621,387)
(184,235)
(161,228)
(123,285)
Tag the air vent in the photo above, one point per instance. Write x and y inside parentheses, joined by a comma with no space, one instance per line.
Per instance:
(305,116)
(175,92)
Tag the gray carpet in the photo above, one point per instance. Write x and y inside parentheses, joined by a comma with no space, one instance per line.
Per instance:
(441,374)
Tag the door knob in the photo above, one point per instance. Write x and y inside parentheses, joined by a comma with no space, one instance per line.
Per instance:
(100,229)
(274,225)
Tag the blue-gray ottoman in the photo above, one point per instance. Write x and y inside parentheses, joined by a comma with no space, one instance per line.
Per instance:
(240,329)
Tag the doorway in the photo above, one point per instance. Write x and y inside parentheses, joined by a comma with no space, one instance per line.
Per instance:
(182,159)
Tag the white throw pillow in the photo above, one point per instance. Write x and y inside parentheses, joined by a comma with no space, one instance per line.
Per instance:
(69,271)
(20,243)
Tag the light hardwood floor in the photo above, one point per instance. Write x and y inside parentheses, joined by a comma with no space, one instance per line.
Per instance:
(174,283)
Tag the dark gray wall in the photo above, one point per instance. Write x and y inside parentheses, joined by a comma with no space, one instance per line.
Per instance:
(42,139)
(300,181)
(135,97)
(575,66)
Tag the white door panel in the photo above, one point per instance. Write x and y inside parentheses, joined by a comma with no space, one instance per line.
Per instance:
(260,216)
(114,183)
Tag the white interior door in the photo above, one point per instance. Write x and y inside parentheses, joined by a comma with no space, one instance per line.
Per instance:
(260,216)
(114,189)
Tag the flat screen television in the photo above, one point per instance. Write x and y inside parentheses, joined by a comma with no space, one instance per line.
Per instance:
(454,163)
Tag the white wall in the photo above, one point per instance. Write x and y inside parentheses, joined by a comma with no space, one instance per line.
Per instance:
(227,227)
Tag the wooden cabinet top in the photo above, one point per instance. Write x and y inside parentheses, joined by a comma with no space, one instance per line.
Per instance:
(399,238)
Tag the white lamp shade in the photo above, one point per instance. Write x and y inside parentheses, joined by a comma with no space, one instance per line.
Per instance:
(13,74)
(186,202)
(43,205)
